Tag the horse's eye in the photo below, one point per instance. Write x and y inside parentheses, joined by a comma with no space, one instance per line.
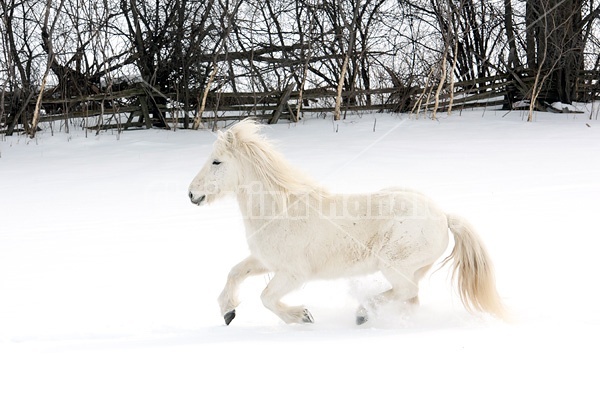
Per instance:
(216,162)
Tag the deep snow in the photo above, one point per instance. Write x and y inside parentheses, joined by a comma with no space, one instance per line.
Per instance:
(109,276)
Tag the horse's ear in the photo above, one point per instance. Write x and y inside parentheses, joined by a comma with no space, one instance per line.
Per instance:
(227,137)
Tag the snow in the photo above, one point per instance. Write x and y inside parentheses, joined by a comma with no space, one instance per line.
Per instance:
(564,107)
(109,276)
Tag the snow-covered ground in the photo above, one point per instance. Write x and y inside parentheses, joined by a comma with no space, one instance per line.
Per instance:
(109,276)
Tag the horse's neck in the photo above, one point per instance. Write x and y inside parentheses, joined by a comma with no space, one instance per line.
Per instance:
(257,205)
(278,193)
(257,202)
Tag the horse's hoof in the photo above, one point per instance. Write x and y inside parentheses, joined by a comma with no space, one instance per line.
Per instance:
(229,317)
(307,318)
(362,315)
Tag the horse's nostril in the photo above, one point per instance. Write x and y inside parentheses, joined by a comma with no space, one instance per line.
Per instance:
(196,200)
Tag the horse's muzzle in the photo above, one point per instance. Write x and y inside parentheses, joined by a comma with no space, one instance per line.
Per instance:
(197,201)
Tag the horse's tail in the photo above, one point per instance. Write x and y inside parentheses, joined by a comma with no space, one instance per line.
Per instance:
(473,270)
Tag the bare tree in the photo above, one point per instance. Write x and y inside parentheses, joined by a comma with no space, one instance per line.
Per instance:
(47,32)
(557,34)
(21,56)
(68,55)
(351,25)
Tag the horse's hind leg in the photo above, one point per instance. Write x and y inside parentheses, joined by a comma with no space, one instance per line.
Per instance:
(420,273)
(404,291)
(281,284)
(228,300)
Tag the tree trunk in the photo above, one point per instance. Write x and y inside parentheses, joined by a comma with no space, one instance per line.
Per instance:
(531,29)
(555,26)
(513,60)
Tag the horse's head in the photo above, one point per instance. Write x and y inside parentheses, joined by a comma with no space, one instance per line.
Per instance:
(244,162)
(222,172)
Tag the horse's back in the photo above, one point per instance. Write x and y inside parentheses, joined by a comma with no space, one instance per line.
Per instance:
(394,225)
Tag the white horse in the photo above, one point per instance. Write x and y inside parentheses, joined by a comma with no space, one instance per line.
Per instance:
(298,231)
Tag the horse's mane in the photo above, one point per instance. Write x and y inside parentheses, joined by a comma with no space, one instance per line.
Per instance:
(258,155)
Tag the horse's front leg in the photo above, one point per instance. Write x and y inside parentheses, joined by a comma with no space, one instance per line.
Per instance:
(228,299)
(281,284)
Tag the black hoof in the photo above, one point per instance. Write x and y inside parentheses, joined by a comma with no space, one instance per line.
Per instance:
(308,318)
(229,317)
(360,319)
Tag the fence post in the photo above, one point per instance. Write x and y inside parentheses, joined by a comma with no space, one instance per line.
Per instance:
(145,111)
(283,102)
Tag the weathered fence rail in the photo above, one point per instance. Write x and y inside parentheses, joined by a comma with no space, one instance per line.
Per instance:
(142,106)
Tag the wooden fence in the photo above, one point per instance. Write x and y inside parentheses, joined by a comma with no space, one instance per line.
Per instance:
(140,106)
